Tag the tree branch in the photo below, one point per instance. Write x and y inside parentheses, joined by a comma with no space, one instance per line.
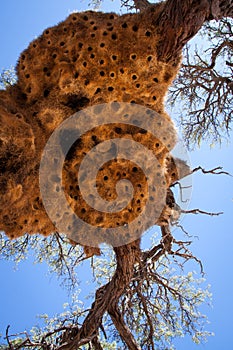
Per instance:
(144,303)
(198,211)
(122,328)
(167,238)
(96,344)
(216,52)
(215,171)
(179,21)
(106,295)
(7,337)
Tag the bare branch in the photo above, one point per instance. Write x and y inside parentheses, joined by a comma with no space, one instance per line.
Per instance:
(167,238)
(96,344)
(122,328)
(207,87)
(215,171)
(198,211)
(7,337)
(216,52)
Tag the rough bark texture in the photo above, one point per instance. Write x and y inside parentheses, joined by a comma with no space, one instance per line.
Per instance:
(181,20)
(107,297)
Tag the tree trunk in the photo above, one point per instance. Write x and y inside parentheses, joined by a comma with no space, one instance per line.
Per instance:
(106,298)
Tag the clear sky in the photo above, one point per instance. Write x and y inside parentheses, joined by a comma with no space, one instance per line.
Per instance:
(28,291)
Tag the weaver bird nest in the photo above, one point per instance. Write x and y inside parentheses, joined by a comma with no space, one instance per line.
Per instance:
(107,65)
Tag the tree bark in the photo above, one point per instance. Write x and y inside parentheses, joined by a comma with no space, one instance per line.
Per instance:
(122,328)
(107,296)
(180,20)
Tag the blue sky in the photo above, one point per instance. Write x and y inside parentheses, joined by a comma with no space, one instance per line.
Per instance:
(28,291)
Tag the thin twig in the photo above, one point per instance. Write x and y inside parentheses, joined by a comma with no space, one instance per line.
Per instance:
(198,211)
(215,171)
(7,337)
